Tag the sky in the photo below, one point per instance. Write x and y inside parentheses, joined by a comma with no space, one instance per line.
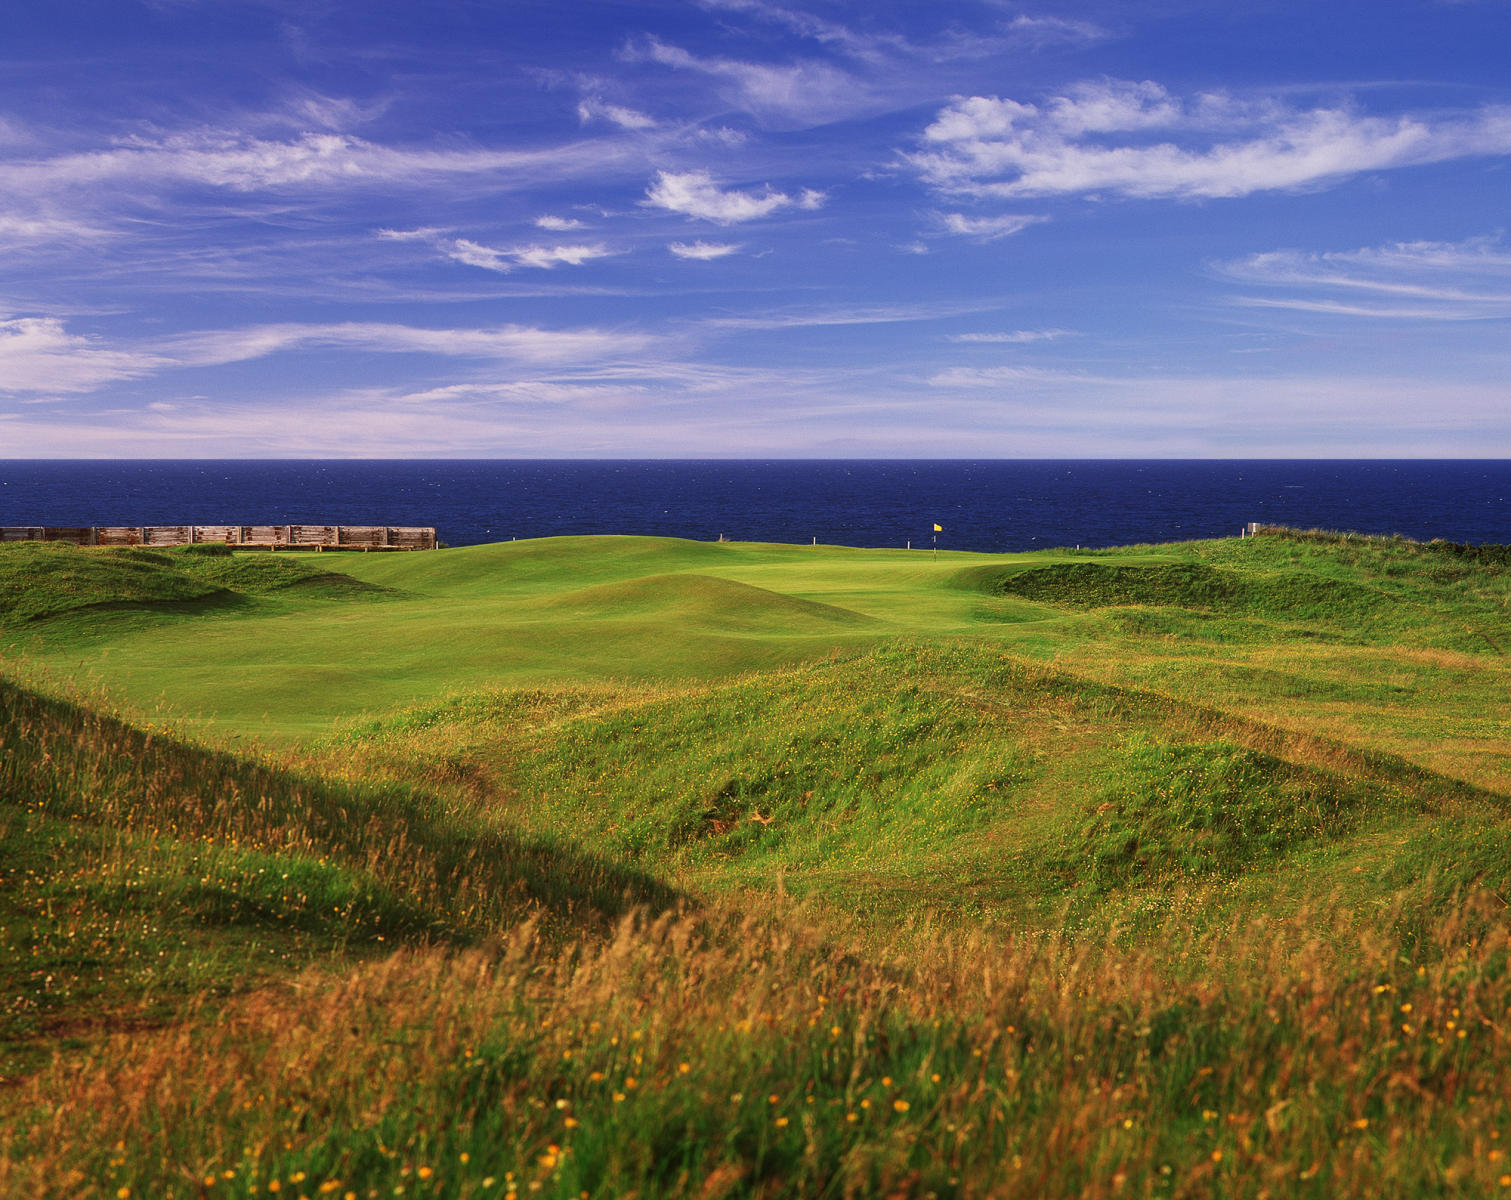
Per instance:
(755,228)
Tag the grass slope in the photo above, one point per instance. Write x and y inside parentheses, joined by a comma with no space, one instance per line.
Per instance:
(140,871)
(622,865)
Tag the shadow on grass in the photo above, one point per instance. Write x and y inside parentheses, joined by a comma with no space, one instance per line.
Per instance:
(469,874)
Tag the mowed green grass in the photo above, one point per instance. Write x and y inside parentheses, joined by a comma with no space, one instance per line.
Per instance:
(1396,648)
(561,609)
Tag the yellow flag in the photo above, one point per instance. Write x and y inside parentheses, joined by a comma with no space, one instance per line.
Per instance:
(938,528)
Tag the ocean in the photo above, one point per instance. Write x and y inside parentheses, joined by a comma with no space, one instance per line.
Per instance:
(989,505)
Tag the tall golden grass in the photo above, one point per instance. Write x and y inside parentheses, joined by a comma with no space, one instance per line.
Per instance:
(1329,1054)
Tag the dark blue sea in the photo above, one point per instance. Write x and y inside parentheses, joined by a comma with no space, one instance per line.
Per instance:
(989,505)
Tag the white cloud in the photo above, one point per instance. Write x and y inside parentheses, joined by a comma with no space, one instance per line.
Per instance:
(986,146)
(703,251)
(533,392)
(12,133)
(515,343)
(1398,312)
(1289,415)
(329,112)
(593,109)
(474,254)
(22,232)
(241,162)
(559,224)
(722,136)
(695,194)
(640,405)
(500,259)
(1444,281)
(1113,106)
(792,95)
(832,34)
(1017,337)
(547,257)
(1051,31)
(988,229)
(994,377)
(805,318)
(426,233)
(37,354)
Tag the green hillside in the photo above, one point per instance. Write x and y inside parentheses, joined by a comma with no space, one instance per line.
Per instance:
(622,865)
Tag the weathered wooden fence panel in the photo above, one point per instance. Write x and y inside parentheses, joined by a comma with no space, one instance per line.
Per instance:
(412,539)
(267,537)
(366,537)
(165,535)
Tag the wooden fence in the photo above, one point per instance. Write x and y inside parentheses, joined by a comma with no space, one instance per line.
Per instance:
(259,537)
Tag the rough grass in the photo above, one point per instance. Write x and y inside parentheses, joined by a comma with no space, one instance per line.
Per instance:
(142,870)
(726,1056)
(1214,808)
(1196,586)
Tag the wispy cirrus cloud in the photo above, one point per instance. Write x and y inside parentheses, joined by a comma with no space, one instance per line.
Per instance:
(704,251)
(988,229)
(882,314)
(994,377)
(1438,281)
(783,95)
(500,259)
(546,257)
(1015,337)
(38,354)
(891,49)
(696,194)
(591,108)
(241,162)
(513,343)
(559,224)
(867,46)
(1208,414)
(1040,32)
(22,231)
(1100,138)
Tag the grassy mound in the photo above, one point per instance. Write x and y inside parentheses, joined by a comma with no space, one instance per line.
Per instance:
(1214,808)
(954,778)
(40,581)
(1198,586)
(821,765)
(1484,556)
(704,601)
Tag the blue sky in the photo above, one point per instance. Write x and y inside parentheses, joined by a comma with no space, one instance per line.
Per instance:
(741,228)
